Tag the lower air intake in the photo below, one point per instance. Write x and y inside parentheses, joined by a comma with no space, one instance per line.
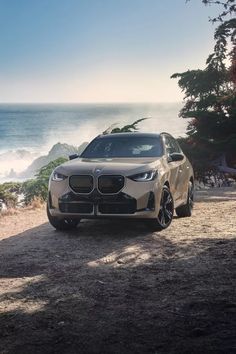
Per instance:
(76,208)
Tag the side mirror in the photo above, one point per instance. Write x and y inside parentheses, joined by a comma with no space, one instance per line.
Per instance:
(176,156)
(74,156)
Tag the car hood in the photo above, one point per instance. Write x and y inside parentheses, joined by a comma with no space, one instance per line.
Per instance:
(124,166)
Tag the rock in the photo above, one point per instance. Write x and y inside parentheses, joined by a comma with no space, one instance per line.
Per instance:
(58,150)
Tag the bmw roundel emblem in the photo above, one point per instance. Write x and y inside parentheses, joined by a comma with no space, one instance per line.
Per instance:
(98,170)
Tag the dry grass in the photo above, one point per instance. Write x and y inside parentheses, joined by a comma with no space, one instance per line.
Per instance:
(9,212)
(37,203)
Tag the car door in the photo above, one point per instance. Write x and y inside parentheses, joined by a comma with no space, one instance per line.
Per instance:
(183,175)
(176,167)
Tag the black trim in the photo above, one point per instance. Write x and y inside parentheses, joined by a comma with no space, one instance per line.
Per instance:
(76,208)
(151,201)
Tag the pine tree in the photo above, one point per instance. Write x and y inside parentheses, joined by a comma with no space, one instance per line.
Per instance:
(210,96)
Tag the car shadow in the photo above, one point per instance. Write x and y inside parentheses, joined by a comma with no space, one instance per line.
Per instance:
(112,287)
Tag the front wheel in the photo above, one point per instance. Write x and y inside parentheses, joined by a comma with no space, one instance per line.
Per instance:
(61,224)
(166,211)
(186,209)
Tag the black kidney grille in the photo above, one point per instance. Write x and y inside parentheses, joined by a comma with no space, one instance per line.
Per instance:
(81,183)
(110,184)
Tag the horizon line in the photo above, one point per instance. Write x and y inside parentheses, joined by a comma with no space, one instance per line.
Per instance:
(94,102)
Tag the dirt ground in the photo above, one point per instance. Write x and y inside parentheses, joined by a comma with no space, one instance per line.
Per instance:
(115,287)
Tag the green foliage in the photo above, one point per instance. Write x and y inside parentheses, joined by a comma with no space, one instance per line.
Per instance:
(125,129)
(210,97)
(9,192)
(199,158)
(38,187)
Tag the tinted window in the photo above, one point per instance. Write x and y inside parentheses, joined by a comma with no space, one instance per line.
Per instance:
(124,147)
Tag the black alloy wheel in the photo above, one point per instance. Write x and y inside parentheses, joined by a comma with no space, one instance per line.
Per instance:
(166,211)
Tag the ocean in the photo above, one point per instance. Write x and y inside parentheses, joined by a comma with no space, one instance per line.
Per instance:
(28,131)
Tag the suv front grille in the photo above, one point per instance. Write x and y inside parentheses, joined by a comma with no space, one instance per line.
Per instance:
(81,183)
(110,184)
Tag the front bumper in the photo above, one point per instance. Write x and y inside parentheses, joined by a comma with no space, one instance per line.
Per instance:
(135,200)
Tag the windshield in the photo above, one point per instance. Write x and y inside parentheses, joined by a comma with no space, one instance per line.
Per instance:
(124,147)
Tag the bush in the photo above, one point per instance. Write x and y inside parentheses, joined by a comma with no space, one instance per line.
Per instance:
(38,186)
(9,192)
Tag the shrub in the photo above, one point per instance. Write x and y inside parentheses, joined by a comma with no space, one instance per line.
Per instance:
(37,188)
(9,192)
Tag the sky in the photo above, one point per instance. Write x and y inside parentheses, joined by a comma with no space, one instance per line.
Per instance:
(100,50)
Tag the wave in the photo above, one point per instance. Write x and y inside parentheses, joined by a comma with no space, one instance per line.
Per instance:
(22,164)
(12,162)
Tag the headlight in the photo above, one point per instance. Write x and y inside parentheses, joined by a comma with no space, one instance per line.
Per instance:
(144,176)
(56,176)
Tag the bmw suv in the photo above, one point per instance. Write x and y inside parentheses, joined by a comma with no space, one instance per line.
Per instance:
(124,175)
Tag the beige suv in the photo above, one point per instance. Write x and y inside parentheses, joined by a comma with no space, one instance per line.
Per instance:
(125,175)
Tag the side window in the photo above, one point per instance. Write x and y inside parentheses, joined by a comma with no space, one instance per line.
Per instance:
(170,148)
(175,145)
(171,145)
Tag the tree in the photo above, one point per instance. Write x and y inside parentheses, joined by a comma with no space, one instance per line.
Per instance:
(228,8)
(210,96)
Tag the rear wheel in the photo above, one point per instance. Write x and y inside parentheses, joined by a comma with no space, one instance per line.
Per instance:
(166,211)
(62,224)
(186,210)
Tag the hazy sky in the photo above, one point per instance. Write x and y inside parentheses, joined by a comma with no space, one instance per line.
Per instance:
(100,50)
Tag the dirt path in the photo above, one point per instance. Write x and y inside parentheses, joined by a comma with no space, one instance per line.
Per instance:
(114,287)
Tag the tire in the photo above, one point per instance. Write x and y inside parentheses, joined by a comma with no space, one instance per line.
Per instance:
(186,210)
(166,211)
(62,224)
